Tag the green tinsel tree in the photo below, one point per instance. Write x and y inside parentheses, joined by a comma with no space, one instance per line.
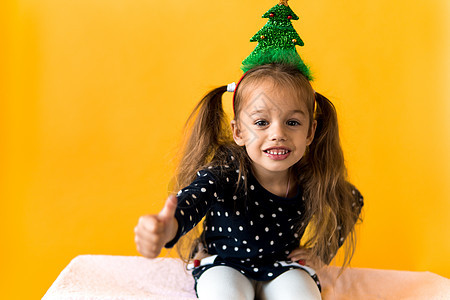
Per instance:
(277,41)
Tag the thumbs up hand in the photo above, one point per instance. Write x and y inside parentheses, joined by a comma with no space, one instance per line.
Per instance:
(154,231)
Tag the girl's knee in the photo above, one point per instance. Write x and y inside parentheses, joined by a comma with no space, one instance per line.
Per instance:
(224,283)
(293,284)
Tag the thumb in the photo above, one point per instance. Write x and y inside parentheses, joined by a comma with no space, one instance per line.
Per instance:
(169,208)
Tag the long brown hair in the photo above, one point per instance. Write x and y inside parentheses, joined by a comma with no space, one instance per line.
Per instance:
(321,172)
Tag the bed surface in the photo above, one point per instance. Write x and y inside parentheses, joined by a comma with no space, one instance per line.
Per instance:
(131,277)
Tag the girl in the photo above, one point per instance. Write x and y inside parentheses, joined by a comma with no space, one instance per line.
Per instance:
(273,191)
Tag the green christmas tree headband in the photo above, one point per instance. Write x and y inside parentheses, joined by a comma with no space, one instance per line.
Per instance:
(276,43)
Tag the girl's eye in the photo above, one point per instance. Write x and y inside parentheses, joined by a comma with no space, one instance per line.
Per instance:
(261,123)
(293,123)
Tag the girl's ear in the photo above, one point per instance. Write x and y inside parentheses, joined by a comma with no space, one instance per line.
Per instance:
(237,134)
(311,133)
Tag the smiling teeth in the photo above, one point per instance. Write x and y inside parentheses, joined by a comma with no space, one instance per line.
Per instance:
(277,152)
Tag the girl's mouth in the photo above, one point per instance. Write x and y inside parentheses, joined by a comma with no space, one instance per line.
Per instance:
(277,153)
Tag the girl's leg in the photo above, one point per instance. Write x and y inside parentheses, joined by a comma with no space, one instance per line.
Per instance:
(292,284)
(225,283)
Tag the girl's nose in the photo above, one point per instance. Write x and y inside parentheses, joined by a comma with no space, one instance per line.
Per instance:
(277,133)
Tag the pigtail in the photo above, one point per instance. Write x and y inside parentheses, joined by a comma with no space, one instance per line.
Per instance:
(206,131)
(323,174)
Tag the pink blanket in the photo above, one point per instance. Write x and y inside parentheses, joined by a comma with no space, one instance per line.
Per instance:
(128,277)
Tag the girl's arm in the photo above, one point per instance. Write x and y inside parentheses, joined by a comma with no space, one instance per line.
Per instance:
(194,201)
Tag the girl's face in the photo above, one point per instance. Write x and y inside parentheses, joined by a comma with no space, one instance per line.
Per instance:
(273,125)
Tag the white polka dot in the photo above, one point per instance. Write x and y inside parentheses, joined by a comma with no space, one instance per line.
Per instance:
(341,239)
(237,213)
(241,228)
(248,250)
(252,187)
(215,194)
(236,249)
(229,229)
(261,216)
(220,229)
(257,237)
(212,214)
(276,264)
(296,235)
(224,247)
(188,203)
(256,203)
(203,190)
(251,223)
(280,209)
(218,213)
(261,250)
(228,179)
(272,242)
(234,197)
(190,218)
(267,229)
(211,182)
(182,212)
(193,196)
(226,214)
(353,192)
(212,228)
(244,242)
(274,215)
(280,234)
(299,212)
(255,269)
(270,274)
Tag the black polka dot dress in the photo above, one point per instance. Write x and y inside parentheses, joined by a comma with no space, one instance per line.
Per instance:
(250,230)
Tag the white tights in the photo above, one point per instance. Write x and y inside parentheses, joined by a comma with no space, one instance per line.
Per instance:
(225,283)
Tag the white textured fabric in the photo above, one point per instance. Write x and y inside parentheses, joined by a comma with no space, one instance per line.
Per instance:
(122,277)
(135,278)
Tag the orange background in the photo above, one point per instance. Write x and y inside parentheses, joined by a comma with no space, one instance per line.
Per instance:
(94,95)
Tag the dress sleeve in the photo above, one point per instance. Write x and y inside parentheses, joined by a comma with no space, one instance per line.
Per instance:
(194,201)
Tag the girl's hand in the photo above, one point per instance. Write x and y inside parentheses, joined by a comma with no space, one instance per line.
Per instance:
(305,257)
(154,231)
